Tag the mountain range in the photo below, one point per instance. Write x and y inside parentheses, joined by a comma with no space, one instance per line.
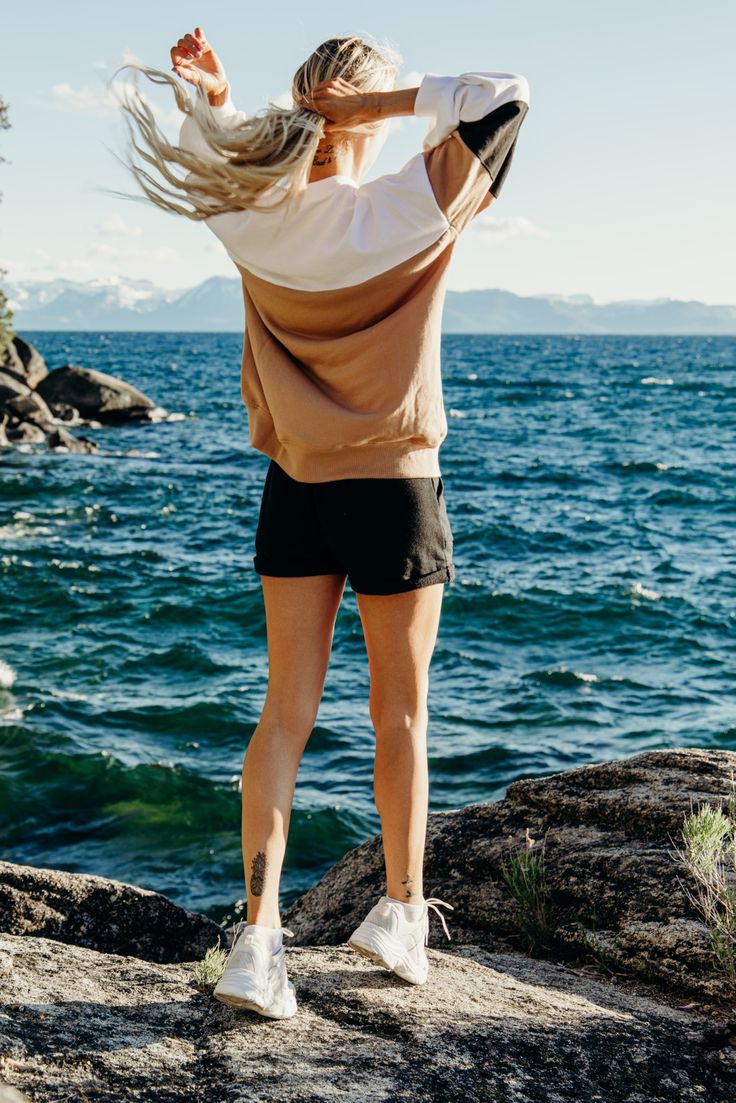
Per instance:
(216,304)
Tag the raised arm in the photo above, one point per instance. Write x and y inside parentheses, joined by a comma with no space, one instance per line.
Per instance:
(474,124)
(195,61)
(484,110)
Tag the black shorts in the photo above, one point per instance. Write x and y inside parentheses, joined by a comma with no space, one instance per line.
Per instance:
(386,535)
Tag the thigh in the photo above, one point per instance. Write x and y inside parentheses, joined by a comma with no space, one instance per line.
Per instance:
(300,621)
(400,635)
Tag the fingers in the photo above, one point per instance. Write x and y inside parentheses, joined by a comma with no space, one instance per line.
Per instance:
(182,65)
(191,44)
(189,47)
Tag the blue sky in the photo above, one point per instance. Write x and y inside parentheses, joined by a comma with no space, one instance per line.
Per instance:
(622,184)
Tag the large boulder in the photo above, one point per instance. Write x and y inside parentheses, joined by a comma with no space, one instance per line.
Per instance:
(23,362)
(617,896)
(11,386)
(95,394)
(28,407)
(61,440)
(76,1024)
(101,914)
(24,432)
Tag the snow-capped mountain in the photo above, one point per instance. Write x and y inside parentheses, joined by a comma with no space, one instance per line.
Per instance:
(216,304)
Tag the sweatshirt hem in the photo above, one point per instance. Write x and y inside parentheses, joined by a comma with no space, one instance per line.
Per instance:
(362,462)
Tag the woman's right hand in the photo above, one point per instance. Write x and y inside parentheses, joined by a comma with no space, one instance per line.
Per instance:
(194,60)
(343,106)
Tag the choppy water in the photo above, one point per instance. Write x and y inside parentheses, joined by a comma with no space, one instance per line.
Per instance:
(590,487)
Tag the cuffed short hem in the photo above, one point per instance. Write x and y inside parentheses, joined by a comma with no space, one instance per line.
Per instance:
(404,585)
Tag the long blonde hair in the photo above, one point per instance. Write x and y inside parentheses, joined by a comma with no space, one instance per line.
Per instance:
(277,144)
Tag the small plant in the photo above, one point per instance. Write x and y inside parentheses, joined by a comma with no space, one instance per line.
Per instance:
(525,877)
(598,951)
(709,856)
(208,971)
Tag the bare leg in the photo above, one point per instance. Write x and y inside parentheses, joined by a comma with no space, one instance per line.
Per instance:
(400,634)
(300,621)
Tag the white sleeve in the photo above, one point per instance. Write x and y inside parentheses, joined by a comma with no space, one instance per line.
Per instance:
(190,135)
(467,98)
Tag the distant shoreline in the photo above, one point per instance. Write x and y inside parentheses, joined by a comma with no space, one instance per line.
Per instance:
(216,306)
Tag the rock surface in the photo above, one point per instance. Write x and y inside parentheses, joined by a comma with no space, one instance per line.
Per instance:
(101,914)
(38,406)
(77,1024)
(95,394)
(98,1000)
(24,362)
(616,891)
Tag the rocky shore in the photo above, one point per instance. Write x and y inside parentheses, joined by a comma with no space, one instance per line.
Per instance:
(40,406)
(620,1001)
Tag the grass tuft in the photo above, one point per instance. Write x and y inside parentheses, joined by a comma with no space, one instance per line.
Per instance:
(708,855)
(525,877)
(208,971)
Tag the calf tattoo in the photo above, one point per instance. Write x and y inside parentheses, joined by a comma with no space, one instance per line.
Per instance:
(408,881)
(257,874)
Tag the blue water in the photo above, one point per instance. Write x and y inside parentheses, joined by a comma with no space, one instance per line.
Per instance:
(590,487)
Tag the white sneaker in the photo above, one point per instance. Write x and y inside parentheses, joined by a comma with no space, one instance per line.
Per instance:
(388,938)
(254,978)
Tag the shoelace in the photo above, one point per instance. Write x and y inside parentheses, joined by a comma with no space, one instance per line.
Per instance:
(432,902)
(241,924)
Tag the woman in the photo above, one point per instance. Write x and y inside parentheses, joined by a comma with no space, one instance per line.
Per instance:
(343,285)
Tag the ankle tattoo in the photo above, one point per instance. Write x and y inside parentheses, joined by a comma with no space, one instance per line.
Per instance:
(257,873)
(409,881)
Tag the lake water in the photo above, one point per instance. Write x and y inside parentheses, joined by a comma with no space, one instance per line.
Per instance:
(590,488)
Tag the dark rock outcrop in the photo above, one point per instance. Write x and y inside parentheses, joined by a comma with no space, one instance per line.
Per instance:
(616,892)
(95,394)
(23,362)
(29,407)
(10,386)
(100,914)
(63,441)
(38,406)
(24,432)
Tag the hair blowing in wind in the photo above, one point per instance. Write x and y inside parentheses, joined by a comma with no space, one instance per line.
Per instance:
(276,144)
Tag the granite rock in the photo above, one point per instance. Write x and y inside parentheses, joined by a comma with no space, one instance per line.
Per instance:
(616,893)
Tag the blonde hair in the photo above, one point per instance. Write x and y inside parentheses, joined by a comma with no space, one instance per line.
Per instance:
(277,144)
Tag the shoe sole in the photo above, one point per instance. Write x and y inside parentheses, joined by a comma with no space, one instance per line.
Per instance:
(253,999)
(243,1004)
(381,953)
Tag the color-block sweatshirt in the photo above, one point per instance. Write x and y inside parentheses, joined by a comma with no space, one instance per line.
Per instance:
(343,294)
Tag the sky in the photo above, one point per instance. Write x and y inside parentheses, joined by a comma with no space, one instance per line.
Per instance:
(622,185)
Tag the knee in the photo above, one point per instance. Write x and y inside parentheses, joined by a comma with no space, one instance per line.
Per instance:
(396,717)
(292,717)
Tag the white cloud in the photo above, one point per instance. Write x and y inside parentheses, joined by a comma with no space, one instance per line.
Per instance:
(102,101)
(499,228)
(126,58)
(129,58)
(84,101)
(160,253)
(117,226)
